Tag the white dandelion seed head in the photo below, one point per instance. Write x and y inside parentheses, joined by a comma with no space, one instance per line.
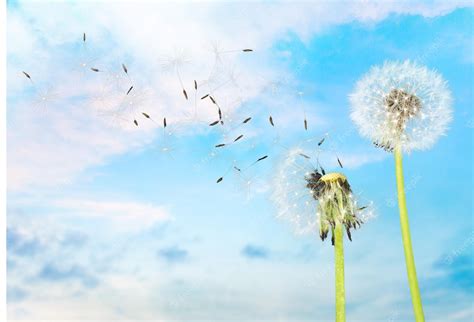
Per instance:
(401,104)
(313,202)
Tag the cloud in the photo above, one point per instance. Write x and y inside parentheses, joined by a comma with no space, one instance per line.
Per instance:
(173,254)
(74,239)
(129,215)
(53,273)
(16,294)
(456,274)
(255,252)
(21,244)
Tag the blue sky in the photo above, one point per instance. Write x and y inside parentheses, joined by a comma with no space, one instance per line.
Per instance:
(108,220)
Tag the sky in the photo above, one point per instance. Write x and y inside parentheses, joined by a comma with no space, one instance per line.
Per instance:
(108,219)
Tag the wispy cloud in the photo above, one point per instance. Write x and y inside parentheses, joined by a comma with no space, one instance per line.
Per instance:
(173,254)
(54,273)
(21,244)
(16,294)
(129,214)
(255,252)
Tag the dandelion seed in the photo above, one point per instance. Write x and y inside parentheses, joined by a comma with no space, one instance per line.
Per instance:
(195,85)
(262,158)
(185,94)
(164,122)
(321,142)
(205,96)
(239,137)
(304,156)
(27,75)
(94,69)
(220,145)
(136,123)
(214,123)
(238,169)
(247,120)
(220,113)
(146,115)
(129,90)
(271,121)
(246,50)
(340,163)
(84,37)
(305,124)
(219,180)
(125,69)
(212,99)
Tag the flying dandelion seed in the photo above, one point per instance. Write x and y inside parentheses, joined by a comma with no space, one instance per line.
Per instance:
(166,146)
(45,97)
(147,116)
(249,184)
(83,62)
(175,63)
(95,69)
(27,75)
(125,69)
(270,119)
(300,95)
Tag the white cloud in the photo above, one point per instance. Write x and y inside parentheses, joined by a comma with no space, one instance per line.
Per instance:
(128,215)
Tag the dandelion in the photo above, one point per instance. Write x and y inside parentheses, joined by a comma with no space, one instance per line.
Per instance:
(314,202)
(402,107)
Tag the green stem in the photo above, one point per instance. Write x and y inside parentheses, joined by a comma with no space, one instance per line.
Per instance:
(405,227)
(339,262)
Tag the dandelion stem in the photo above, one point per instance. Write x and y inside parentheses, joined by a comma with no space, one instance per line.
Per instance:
(409,257)
(339,262)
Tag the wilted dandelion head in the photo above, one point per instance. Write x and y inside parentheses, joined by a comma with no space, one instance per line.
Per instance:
(401,104)
(312,201)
